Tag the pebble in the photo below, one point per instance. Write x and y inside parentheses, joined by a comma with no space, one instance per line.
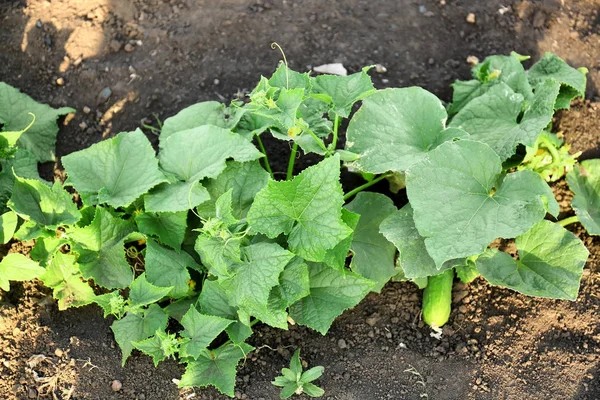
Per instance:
(431,61)
(87,110)
(116,385)
(472,60)
(115,45)
(342,344)
(216,82)
(60,81)
(83,125)
(129,48)
(59,353)
(371,321)
(104,95)
(471,18)
(380,69)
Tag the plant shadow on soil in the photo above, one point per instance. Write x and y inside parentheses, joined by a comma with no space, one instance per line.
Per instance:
(159,57)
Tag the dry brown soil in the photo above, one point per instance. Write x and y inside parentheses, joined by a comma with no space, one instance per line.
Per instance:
(158,56)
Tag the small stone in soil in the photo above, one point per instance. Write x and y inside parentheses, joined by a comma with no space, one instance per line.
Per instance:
(472,60)
(342,344)
(60,81)
(58,353)
(86,110)
(104,95)
(129,48)
(116,385)
(380,69)
(471,18)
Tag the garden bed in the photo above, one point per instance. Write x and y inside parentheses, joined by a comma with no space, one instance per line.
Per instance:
(497,345)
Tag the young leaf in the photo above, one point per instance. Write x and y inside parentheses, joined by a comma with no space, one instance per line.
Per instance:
(48,206)
(244,179)
(551,261)
(64,278)
(474,203)
(115,171)
(584,181)
(168,268)
(160,346)
(135,327)
(373,255)
(216,368)
(8,225)
(253,280)
(312,374)
(17,267)
(467,272)
(331,293)
(40,138)
(344,91)
(218,254)
(101,249)
(396,128)
(286,78)
(190,156)
(399,228)
(142,292)
(495,118)
(572,81)
(201,330)
(493,71)
(308,209)
(205,113)
(168,227)
(296,365)
(312,390)
(112,303)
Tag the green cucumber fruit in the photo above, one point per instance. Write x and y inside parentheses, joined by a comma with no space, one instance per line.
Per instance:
(437,299)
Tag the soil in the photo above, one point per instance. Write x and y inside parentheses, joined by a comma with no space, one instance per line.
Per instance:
(158,56)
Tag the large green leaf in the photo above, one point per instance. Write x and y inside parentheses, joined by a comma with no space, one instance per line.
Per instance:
(394,128)
(497,117)
(101,249)
(331,293)
(199,331)
(584,182)
(373,255)
(572,81)
(8,225)
(40,138)
(168,268)
(216,368)
(493,71)
(344,91)
(253,280)
(17,267)
(138,326)
(168,227)
(474,203)
(115,171)
(307,209)
(399,228)
(205,113)
(294,282)
(244,179)
(47,206)
(336,257)
(550,264)
(66,282)
(191,155)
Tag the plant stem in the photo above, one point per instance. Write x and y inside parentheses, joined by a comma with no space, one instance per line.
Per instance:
(568,221)
(290,170)
(319,141)
(366,185)
(336,123)
(266,160)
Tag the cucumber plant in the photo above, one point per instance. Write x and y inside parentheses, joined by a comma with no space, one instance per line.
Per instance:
(207,232)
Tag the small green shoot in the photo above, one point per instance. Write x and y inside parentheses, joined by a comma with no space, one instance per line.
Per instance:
(294,381)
